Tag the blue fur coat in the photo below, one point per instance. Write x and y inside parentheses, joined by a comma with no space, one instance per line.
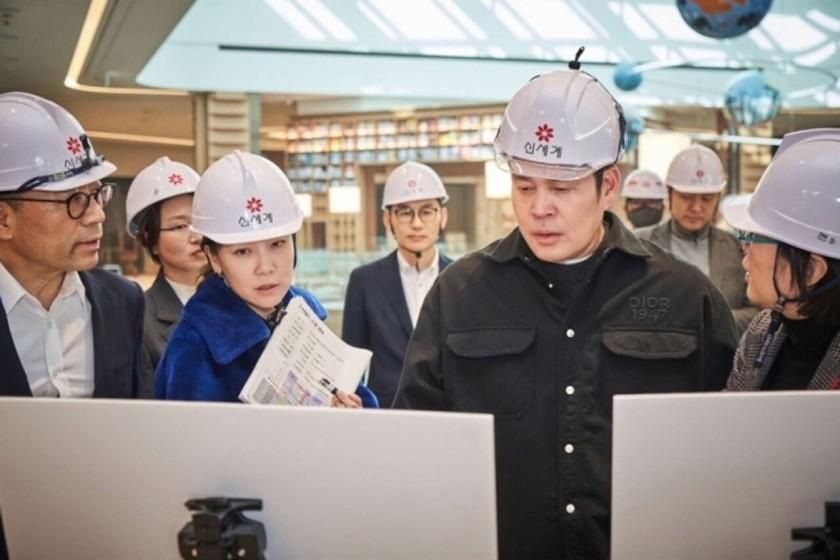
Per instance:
(217,344)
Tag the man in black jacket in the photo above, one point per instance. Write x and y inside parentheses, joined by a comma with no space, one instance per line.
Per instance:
(66,329)
(543,327)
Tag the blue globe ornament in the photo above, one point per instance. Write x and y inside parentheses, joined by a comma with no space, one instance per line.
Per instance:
(634,124)
(749,100)
(625,76)
(723,19)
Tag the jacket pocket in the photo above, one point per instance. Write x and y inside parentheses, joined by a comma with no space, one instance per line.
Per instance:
(492,370)
(637,360)
(650,344)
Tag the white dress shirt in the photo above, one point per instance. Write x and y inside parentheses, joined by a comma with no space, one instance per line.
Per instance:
(55,345)
(417,284)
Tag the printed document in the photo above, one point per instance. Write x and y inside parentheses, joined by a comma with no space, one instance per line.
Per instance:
(304,362)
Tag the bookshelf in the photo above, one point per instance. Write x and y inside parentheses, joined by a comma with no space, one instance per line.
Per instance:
(326,152)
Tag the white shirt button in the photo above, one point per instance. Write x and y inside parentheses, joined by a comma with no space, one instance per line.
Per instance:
(570,333)
(570,390)
(550,285)
(570,508)
(569,448)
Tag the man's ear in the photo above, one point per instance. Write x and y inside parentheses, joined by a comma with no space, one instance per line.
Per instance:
(610,183)
(7,221)
(444,217)
(386,221)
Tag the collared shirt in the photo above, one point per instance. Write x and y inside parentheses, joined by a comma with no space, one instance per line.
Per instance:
(691,247)
(417,284)
(183,291)
(55,345)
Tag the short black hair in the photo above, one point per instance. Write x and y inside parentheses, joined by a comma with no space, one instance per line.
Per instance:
(599,178)
(824,308)
(148,229)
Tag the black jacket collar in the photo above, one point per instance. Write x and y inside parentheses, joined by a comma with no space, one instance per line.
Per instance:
(618,237)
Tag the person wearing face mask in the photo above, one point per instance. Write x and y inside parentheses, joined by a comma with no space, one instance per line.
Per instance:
(158,209)
(543,327)
(790,232)
(644,196)
(384,297)
(695,182)
(246,212)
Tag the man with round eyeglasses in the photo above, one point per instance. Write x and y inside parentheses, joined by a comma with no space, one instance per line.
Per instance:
(67,329)
(413,212)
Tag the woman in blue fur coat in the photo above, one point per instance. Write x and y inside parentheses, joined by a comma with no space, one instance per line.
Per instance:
(246,210)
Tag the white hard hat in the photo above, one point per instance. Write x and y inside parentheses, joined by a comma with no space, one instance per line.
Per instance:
(561,125)
(44,147)
(797,199)
(412,181)
(696,170)
(244,198)
(161,180)
(643,183)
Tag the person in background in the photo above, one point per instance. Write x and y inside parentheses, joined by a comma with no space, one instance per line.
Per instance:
(644,196)
(543,327)
(246,212)
(384,297)
(159,209)
(790,231)
(695,181)
(67,328)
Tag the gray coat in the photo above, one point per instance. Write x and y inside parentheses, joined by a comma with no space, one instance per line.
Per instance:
(746,377)
(163,311)
(725,269)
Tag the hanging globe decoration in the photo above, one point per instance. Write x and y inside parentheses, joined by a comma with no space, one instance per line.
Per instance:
(634,124)
(626,77)
(749,100)
(723,19)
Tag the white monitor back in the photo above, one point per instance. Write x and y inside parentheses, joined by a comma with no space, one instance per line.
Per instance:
(108,479)
(724,476)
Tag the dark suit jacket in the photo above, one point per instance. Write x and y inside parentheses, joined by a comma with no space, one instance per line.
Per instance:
(376,317)
(725,269)
(163,311)
(117,314)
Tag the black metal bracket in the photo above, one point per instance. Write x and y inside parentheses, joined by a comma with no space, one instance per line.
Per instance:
(220,531)
(825,541)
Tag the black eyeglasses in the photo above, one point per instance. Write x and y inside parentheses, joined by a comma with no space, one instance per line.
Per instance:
(179,228)
(78,202)
(406,215)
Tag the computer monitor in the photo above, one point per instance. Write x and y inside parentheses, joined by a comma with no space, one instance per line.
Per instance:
(725,475)
(108,479)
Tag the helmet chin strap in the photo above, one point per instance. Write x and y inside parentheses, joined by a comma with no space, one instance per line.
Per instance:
(775,317)
(778,309)
(417,254)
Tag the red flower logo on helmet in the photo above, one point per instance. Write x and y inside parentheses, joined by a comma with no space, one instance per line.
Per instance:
(73,145)
(176,179)
(700,173)
(254,205)
(544,133)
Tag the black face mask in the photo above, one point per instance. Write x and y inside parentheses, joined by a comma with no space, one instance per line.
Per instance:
(645,216)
